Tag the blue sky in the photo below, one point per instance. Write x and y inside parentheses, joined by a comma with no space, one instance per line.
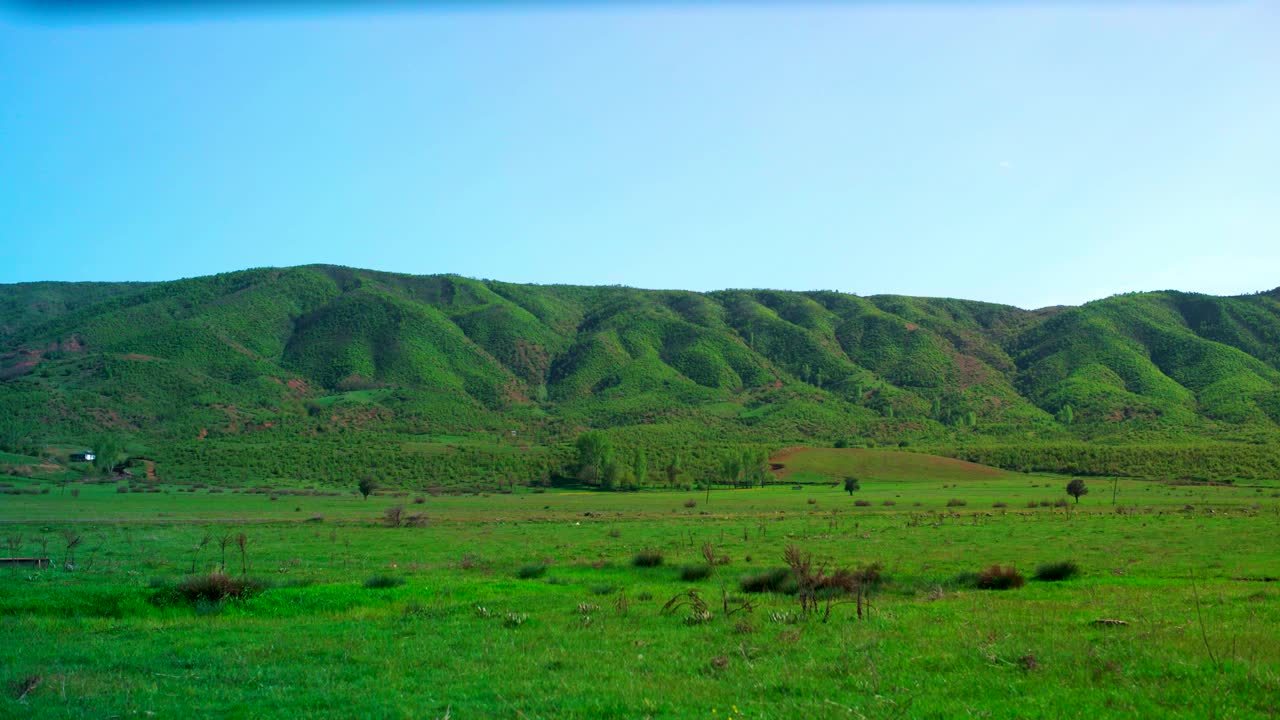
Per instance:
(1031,154)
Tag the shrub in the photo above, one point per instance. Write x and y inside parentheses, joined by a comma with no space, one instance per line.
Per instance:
(862,503)
(215,588)
(694,573)
(1052,572)
(393,516)
(779,580)
(380,582)
(691,503)
(647,558)
(1000,578)
(999,504)
(813,501)
(471,561)
(529,572)
(887,503)
(957,502)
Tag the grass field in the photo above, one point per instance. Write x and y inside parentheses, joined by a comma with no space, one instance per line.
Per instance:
(528,605)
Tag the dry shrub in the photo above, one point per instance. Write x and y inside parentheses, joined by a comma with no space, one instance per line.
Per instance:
(997,577)
(215,587)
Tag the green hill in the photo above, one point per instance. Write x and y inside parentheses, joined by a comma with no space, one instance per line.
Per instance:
(247,372)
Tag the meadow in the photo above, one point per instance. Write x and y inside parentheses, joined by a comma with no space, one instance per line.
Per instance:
(577,604)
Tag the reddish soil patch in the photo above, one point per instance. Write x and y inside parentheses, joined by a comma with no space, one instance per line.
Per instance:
(970,370)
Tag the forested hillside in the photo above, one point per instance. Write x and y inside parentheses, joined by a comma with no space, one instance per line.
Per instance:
(328,371)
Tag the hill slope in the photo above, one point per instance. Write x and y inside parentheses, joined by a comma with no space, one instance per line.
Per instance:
(300,352)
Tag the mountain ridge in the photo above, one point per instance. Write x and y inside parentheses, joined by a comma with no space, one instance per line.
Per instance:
(322,346)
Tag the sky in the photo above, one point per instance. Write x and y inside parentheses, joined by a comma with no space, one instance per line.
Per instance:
(1022,153)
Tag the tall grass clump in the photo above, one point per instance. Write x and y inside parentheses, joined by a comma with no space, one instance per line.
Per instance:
(1052,572)
(647,558)
(381,582)
(529,572)
(693,573)
(997,577)
(776,580)
(212,588)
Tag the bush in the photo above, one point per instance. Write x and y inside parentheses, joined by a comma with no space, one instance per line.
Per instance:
(694,573)
(380,582)
(1052,572)
(862,503)
(647,558)
(957,502)
(999,504)
(213,588)
(529,572)
(887,503)
(779,580)
(1000,578)
(691,503)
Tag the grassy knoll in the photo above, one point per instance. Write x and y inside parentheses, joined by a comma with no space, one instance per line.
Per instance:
(584,635)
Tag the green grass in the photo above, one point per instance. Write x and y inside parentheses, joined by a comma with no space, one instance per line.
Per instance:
(315,638)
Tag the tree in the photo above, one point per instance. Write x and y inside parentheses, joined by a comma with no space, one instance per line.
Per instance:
(851,485)
(640,468)
(754,463)
(1076,488)
(1066,415)
(366,486)
(731,468)
(595,455)
(673,470)
(106,450)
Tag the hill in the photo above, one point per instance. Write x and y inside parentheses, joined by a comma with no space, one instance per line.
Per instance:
(327,369)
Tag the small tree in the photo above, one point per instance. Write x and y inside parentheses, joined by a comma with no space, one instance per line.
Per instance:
(851,485)
(1066,415)
(673,470)
(366,486)
(394,516)
(595,454)
(1076,488)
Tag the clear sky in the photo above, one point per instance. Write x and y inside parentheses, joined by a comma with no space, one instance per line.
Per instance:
(1031,154)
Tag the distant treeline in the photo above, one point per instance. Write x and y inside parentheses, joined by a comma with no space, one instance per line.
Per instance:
(1216,461)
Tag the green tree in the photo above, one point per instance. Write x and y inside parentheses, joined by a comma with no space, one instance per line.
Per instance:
(366,486)
(1066,415)
(595,458)
(1076,488)
(107,450)
(851,485)
(673,470)
(731,468)
(640,468)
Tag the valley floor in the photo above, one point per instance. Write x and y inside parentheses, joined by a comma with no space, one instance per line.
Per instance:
(529,605)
